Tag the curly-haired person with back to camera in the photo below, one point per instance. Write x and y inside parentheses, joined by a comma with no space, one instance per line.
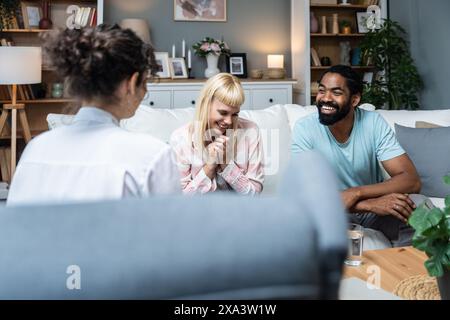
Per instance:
(106,69)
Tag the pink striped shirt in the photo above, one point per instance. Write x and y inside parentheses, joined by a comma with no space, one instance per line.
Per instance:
(244,174)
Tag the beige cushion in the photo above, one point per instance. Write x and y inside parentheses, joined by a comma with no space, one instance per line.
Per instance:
(426,125)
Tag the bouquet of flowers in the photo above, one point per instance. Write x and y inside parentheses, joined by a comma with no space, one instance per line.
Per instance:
(209,45)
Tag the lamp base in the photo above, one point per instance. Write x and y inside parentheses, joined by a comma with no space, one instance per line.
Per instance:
(276,73)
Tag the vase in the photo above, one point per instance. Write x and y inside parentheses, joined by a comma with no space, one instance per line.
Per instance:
(335,23)
(314,24)
(444,285)
(45,22)
(212,60)
(324,25)
(57,90)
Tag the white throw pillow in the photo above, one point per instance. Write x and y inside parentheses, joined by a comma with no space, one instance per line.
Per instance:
(160,123)
(276,136)
(408,118)
(296,112)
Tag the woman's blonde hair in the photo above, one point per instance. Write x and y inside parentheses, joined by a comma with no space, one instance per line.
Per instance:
(224,88)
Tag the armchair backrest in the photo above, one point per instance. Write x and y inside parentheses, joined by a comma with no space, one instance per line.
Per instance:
(213,247)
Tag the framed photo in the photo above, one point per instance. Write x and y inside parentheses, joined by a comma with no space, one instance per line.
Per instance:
(368,77)
(237,64)
(361,21)
(178,68)
(32,14)
(162,59)
(200,10)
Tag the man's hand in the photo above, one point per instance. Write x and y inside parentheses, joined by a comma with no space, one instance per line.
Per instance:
(350,197)
(395,204)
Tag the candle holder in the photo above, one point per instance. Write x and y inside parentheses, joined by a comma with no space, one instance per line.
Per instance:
(189,69)
(190,74)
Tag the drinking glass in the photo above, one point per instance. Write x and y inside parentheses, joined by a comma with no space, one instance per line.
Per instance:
(355,234)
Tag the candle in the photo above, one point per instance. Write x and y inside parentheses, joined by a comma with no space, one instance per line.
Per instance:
(183,45)
(189,58)
(173,51)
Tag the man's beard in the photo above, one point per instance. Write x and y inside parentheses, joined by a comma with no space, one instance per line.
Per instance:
(331,119)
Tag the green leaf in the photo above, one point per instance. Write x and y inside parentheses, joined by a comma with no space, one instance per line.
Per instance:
(420,243)
(447,179)
(435,216)
(434,267)
(418,219)
(447,201)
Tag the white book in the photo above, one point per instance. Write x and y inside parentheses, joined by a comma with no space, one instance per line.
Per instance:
(79,17)
(85,18)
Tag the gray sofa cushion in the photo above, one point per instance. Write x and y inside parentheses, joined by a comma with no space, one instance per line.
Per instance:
(429,149)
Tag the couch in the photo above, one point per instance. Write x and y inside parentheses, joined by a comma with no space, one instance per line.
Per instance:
(276,124)
(214,247)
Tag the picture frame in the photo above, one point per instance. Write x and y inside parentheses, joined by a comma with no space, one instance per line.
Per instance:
(162,59)
(200,10)
(32,14)
(361,18)
(178,68)
(237,64)
(368,77)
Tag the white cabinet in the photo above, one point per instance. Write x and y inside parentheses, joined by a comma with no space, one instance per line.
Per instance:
(259,94)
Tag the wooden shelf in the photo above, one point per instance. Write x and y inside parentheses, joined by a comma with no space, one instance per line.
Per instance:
(25,30)
(337,6)
(339,35)
(41,101)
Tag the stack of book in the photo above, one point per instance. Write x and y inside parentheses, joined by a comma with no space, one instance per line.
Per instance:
(86,16)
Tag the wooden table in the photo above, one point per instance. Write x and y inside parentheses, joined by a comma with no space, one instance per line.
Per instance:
(395,265)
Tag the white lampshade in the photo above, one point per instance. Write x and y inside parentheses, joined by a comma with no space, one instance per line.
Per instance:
(275,61)
(139,26)
(20,65)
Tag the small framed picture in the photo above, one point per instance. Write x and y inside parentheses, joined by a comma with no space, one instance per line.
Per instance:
(178,68)
(368,77)
(32,14)
(162,60)
(361,21)
(237,64)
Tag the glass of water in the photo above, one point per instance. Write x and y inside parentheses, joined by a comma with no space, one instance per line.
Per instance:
(355,235)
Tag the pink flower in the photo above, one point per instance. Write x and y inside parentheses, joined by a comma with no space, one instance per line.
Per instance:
(215,47)
(205,47)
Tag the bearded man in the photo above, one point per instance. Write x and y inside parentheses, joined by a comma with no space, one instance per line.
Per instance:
(356,142)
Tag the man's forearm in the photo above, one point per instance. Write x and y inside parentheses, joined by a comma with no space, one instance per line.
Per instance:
(402,183)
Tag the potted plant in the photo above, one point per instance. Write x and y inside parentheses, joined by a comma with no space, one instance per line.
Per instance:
(432,235)
(397,82)
(346,27)
(211,49)
(8,9)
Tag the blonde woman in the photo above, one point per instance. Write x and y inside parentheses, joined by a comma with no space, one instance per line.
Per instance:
(219,150)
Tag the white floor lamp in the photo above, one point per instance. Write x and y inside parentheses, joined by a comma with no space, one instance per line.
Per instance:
(18,65)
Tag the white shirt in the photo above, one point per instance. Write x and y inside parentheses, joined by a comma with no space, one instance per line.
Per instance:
(90,160)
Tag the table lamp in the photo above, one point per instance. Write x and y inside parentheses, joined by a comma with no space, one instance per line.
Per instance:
(139,26)
(18,65)
(275,65)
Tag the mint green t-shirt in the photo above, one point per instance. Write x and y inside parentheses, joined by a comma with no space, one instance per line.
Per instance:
(355,161)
